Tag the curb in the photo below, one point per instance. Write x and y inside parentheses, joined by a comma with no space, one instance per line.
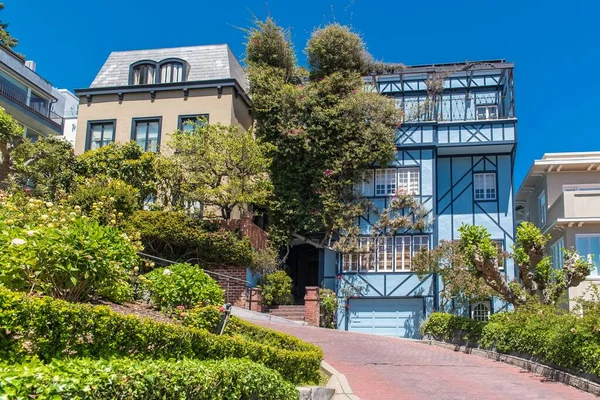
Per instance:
(339,383)
(566,378)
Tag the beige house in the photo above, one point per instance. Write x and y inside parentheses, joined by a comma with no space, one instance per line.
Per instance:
(561,195)
(144,95)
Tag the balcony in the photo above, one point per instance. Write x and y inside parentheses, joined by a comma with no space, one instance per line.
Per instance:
(39,109)
(575,208)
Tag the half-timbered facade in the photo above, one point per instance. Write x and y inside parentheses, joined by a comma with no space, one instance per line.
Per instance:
(455,153)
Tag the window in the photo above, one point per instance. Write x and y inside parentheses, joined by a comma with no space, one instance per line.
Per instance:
(100,134)
(557,253)
(542,208)
(480,311)
(485,186)
(385,182)
(581,187)
(144,74)
(366,259)
(384,254)
(408,181)
(146,133)
(588,247)
(171,71)
(186,122)
(487,112)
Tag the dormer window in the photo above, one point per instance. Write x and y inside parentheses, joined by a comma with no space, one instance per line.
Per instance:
(144,74)
(171,71)
(149,72)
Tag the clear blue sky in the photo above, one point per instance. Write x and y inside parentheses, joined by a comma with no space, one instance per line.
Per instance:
(555,45)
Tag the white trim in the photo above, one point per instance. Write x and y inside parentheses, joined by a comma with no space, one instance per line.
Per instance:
(482,315)
(576,187)
(485,183)
(589,236)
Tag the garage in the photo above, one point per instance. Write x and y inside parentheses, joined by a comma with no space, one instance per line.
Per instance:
(388,317)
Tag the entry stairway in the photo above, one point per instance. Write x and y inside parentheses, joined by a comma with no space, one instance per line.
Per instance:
(293,313)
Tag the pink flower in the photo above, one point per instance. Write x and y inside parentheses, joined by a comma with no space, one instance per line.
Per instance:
(347,306)
(27,190)
(222,309)
(181,307)
(339,277)
(319,191)
(354,91)
(328,172)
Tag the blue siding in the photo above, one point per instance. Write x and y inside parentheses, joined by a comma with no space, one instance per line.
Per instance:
(448,145)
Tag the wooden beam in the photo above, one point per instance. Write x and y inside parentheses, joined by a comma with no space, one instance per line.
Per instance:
(559,168)
(590,167)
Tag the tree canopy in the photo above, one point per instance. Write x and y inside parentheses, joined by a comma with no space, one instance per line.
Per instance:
(325,131)
(472,267)
(5,38)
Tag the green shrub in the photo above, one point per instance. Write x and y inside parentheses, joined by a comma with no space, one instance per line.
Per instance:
(120,198)
(551,335)
(52,249)
(453,328)
(208,318)
(277,288)
(143,379)
(329,303)
(48,328)
(127,162)
(182,285)
(178,237)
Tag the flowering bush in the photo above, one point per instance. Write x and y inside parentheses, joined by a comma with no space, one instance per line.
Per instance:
(53,249)
(329,304)
(183,286)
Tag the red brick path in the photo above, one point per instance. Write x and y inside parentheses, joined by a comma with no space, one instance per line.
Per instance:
(380,368)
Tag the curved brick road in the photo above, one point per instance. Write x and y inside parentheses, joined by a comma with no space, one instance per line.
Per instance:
(380,368)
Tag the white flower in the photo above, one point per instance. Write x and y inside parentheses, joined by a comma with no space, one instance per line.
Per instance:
(49,204)
(30,233)
(18,242)
(167,272)
(44,217)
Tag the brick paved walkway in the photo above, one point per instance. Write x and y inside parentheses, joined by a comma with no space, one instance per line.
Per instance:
(380,368)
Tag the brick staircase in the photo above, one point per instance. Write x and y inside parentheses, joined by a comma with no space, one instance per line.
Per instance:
(293,313)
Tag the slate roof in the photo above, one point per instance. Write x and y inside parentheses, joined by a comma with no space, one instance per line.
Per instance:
(203,63)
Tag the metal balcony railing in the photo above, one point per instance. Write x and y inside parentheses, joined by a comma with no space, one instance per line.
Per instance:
(17,95)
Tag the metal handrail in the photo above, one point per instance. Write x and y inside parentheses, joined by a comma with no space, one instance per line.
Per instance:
(20,97)
(170,262)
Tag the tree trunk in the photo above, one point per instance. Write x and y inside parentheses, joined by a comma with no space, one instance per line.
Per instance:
(4,162)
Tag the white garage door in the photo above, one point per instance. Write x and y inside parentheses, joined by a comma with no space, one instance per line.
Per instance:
(389,317)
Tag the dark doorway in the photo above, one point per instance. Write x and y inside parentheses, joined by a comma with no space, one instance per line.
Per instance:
(302,265)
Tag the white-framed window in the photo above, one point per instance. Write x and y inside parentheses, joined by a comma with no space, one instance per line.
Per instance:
(480,311)
(556,251)
(542,208)
(385,253)
(487,112)
(581,187)
(365,186)
(485,186)
(350,262)
(500,245)
(385,182)
(366,259)
(403,253)
(588,246)
(409,180)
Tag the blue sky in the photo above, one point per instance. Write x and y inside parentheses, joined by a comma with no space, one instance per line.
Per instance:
(555,45)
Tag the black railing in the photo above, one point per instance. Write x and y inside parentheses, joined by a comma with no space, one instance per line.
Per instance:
(17,95)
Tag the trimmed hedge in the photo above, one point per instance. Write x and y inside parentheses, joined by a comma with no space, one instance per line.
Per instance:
(208,318)
(545,333)
(143,379)
(51,328)
(553,336)
(453,328)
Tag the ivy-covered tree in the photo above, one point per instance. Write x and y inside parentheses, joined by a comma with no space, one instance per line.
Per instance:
(5,38)
(475,260)
(325,131)
(11,133)
(47,164)
(223,166)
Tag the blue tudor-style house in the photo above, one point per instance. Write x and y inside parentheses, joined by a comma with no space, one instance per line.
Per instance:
(456,152)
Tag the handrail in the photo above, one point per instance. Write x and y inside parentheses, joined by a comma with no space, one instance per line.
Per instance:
(170,262)
(20,97)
